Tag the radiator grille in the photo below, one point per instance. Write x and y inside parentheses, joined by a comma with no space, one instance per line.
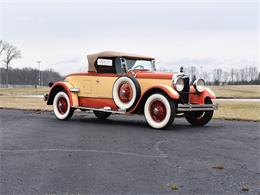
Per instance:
(185,93)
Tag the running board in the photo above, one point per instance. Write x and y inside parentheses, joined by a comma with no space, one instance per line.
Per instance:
(105,109)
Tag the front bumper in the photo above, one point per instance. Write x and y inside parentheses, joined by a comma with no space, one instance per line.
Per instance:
(196,107)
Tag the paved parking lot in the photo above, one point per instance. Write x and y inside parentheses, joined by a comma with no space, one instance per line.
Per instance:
(41,155)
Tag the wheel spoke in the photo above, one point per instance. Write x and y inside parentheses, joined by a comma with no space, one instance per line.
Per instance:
(62,105)
(157,111)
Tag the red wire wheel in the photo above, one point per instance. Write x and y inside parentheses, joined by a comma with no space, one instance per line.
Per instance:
(125,92)
(157,111)
(62,105)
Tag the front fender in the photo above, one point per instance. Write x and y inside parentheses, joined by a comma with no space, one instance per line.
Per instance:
(65,86)
(151,90)
(199,98)
(172,93)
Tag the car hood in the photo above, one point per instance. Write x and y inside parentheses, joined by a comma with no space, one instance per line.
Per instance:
(154,75)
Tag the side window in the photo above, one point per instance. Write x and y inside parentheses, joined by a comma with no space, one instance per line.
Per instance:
(105,65)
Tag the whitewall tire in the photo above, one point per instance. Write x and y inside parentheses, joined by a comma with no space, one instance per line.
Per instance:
(126,92)
(159,111)
(61,106)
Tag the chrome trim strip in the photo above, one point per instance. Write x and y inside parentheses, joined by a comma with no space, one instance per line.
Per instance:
(75,89)
(106,109)
(197,107)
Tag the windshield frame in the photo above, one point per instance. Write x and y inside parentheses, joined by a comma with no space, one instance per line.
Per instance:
(136,62)
(122,67)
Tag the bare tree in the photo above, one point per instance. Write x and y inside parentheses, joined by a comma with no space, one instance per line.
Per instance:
(225,76)
(191,71)
(2,49)
(237,75)
(232,74)
(217,74)
(242,74)
(252,73)
(3,45)
(205,76)
(11,53)
(246,71)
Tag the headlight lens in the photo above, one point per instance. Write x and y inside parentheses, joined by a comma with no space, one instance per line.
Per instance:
(178,84)
(199,85)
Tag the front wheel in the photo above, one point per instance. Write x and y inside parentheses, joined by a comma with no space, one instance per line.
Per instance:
(199,118)
(61,106)
(101,115)
(159,111)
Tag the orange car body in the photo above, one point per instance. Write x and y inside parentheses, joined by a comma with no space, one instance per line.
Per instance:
(115,84)
(95,89)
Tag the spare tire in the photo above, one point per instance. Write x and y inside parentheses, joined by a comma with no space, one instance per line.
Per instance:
(126,92)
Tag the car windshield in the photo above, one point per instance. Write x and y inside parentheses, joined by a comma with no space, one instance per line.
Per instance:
(144,65)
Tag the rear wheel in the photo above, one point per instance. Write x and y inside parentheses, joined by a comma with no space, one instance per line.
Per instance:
(159,111)
(61,106)
(198,118)
(101,115)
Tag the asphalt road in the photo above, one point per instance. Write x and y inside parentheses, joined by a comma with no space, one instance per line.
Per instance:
(122,155)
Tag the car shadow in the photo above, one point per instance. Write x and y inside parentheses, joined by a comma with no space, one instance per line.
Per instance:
(138,122)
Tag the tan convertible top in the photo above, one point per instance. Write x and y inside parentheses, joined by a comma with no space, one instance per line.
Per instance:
(92,58)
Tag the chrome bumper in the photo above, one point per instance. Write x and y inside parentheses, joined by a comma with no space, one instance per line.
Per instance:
(196,107)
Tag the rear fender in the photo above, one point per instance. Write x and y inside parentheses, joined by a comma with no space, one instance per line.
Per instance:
(63,86)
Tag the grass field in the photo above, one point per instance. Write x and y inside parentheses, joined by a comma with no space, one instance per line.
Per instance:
(227,110)
(23,103)
(238,110)
(237,91)
(23,91)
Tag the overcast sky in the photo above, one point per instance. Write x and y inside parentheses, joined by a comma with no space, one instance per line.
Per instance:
(208,33)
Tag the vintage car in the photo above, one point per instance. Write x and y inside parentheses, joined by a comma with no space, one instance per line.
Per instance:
(125,83)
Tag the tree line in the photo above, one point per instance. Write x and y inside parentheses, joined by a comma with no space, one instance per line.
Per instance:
(29,76)
(235,76)
(24,76)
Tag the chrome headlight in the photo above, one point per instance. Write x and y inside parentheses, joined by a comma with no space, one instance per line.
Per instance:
(178,83)
(199,85)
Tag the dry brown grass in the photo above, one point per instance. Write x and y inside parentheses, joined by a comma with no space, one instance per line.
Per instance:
(237,91)
(23,91)
(238,110)
(23,103)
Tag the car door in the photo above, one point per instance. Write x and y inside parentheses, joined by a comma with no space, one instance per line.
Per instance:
(105,84)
